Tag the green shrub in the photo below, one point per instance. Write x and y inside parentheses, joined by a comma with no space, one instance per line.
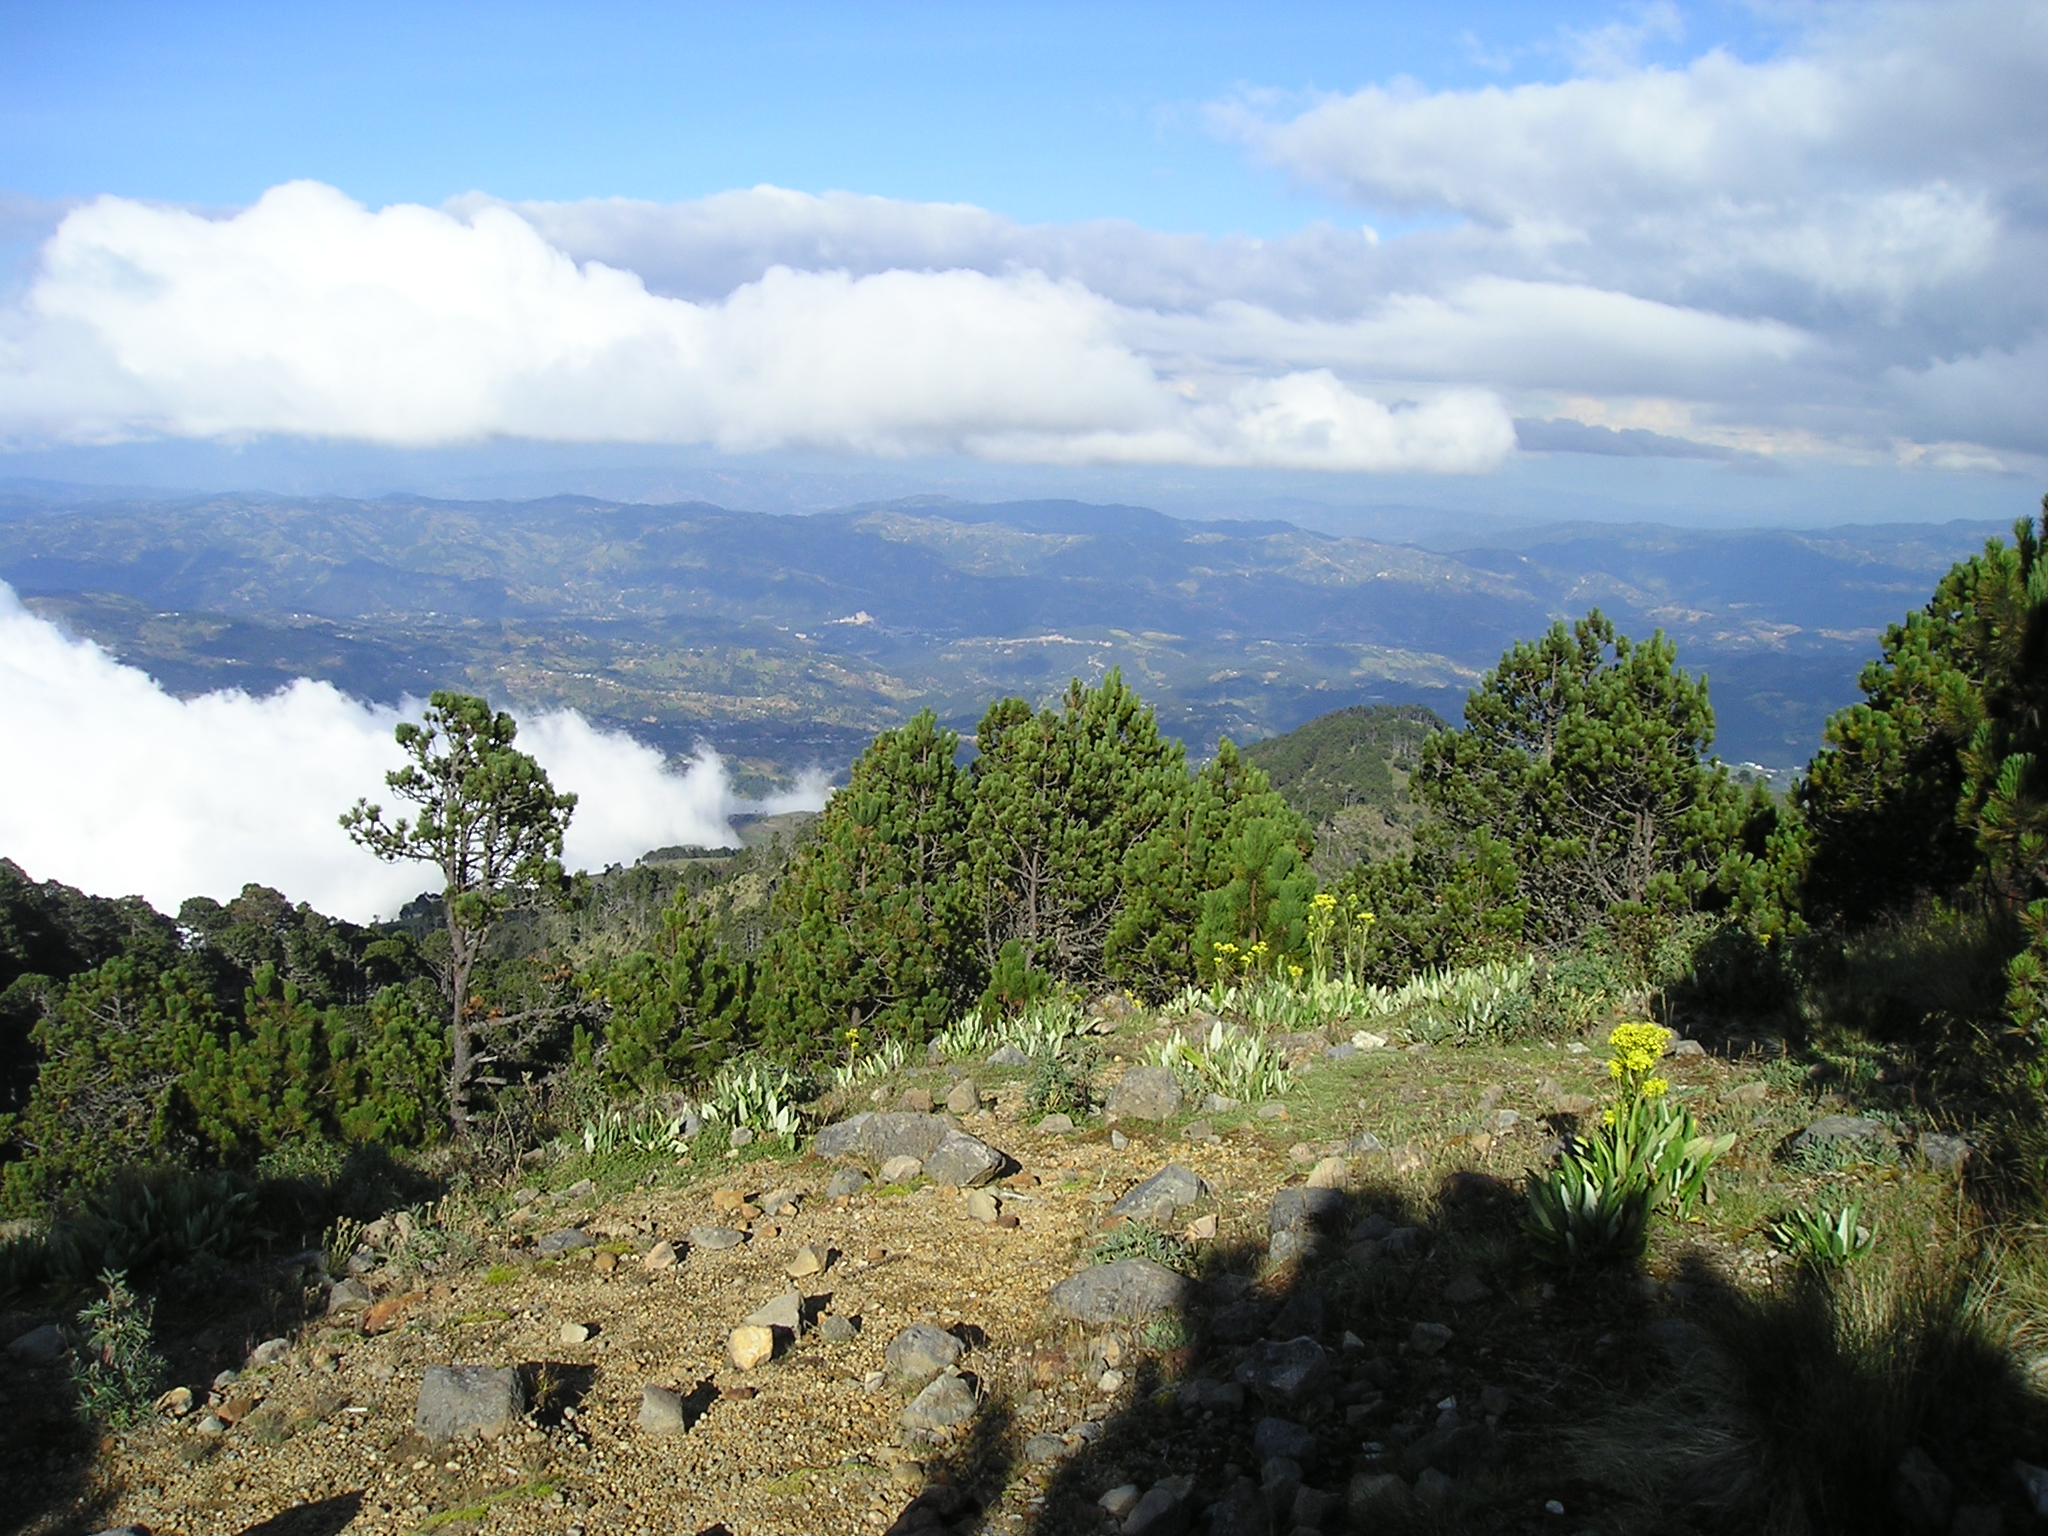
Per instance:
(1056,1088)
(1142,1240)
(115,1369)
(1577,1216)
(1824,1239)
(144,1222)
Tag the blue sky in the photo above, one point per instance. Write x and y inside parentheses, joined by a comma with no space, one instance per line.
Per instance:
(1495,256)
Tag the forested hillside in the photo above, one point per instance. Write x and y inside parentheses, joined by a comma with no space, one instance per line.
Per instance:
(788,641)
(1580,873)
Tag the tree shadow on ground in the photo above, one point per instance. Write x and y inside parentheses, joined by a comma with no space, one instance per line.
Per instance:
(322,1517)
(1408,1368)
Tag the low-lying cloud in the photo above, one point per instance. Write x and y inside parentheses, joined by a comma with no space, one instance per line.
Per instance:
(118,787)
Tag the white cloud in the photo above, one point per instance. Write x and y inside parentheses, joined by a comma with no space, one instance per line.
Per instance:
(307,314)
(113,785)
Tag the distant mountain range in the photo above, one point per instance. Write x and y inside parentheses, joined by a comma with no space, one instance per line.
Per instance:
(786,640)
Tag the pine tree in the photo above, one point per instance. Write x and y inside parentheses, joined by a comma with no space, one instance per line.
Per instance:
(879,926)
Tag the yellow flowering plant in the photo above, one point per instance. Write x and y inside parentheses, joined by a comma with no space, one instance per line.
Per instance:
(1648,1154)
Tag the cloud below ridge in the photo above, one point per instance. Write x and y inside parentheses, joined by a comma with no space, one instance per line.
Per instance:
(118,787)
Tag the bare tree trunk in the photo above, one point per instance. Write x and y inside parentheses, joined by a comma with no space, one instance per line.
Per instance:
(462,947)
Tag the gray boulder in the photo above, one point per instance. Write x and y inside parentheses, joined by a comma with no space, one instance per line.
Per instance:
(1854,1128)
(1284,1438)
(568,1240)
(1241,1512)
(883,1135)
(945,1404)
(716,1239)
(39,1346)
(1285,1375)
(963,1161)
(846,1181)
(661,1412)
(1945,1154)
(1163,1511)
(1161,1195)
(785,1312)
(1306,1209)
(1008,1056)
(1145,1093)
(349,1296)
(922,1351)
(458,1401)
(1127,1288)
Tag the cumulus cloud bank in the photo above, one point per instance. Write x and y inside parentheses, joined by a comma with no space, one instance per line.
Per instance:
(309,314)
(115,786)
(1836,248)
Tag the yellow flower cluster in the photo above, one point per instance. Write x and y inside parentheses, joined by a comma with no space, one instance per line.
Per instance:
(1637,1048)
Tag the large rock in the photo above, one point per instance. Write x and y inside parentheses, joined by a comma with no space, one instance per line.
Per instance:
(1283,1437)
(1305,1209)
(963,1098)
(568,1240)
(458,1401)
(1145,1093)
(1851,1128)
(880,1136)
(348,1297)
(1159,1197)
(946,1404)
(39,1346)
(716,1239)
(785,1312)
(963,1160)
(1946,1154)
(921,1352)
(846,1181)
(1285,1375)
(1241,1512)
(1008,1056)
(1125,1289)
(1374,1497)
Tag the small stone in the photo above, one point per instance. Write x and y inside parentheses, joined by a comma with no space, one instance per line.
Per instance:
(740,1136)
(846,1181)
(716,1239)
(1465,1289)
(348,1297)
(1159,1197)
(1202,1229)
(1241,1511)
(1272,1111)
(175,1403)
(963,1098)
(1283,1438)
(660,1257)
(39,1346)
(808,1260)
(1311,1509)
(915,1101)
(785,1312)
(982,1206)
(1945,1154)
(1161,1512)
(568,1240)
(1922,1495)
(1745,1093)
(661,1411)
(1008,1056)
(834,1329)
(211,1425)
(946,1403)
(384,1315)
(1129,1288)
(1494,1401)
(604,1261)
(1854,1128)
(1286,1374)
(780,1202)
(1109,1383)
(1330,1173)
(1432,1488)
(1427,1339)
(922,1351)
(1120,1500)
(963,1161)
(901,1170)
(1366,1040)
(1687,1048)
(1305,1209)
(750,1345)
(1145,1093)
(1040,1449)
(1118,1141)
(575,1333)
(457,1401)
(1199,1130)
(1056,1125)
(270,1352)
(1302,1155)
